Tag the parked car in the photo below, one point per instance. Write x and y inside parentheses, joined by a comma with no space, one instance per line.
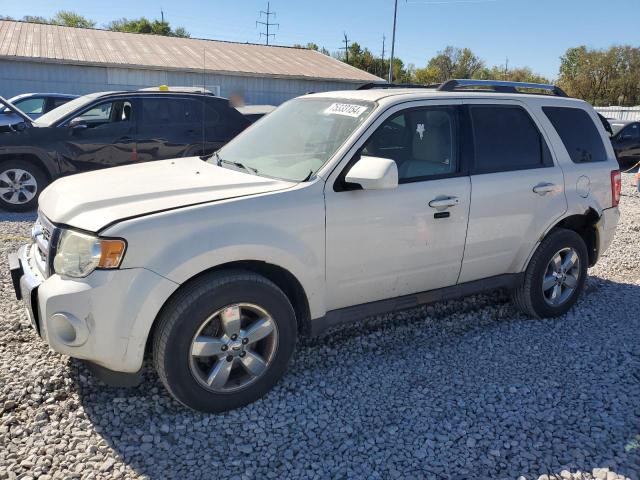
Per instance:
(33,104)
(626,141)
(334,207)
(109,129)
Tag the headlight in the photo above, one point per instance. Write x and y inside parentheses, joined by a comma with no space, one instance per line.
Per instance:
(79,254)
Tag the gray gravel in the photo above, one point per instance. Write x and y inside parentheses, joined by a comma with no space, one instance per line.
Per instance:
(464,389)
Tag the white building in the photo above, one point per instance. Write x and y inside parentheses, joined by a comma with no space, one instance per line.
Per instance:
(51,58)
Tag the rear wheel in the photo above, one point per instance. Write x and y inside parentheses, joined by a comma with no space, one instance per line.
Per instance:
(224,341)
(555,276)
(20,185)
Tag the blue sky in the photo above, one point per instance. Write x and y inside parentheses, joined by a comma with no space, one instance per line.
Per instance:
(533,33)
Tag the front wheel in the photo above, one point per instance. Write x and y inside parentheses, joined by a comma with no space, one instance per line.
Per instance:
(20,185)
(224,341)
(555,276)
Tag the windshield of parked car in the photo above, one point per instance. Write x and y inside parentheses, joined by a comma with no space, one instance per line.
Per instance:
(62,111)
(296,139)
(616,127)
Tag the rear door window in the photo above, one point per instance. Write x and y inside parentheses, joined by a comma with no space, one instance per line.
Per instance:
(31,106)
(170,111)
(579,135)
(505,139)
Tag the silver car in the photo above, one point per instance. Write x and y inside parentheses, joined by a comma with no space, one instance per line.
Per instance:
(34,105)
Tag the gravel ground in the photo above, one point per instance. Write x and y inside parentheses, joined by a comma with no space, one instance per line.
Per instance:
(464,389)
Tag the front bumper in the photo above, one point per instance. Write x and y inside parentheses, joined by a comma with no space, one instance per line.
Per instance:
(104,318)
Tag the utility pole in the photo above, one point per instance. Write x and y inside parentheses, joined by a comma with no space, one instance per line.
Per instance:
(506,68)
(346,47)
(382,58)
(268,22)
(393,41)
(162,14)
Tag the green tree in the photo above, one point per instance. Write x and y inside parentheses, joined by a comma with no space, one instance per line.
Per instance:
(72,19)
(602,77)
(312,46)
(452,62)
(144,25)
(35,19)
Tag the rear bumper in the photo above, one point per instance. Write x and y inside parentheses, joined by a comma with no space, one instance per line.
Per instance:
(607,228)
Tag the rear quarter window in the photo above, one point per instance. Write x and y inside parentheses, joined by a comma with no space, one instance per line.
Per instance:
(579,134)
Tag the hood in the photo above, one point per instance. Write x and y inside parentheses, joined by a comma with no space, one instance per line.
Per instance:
(91,201)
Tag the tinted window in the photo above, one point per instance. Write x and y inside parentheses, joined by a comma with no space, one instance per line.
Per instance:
(57,101)
(578,133)
(163,111)
(505,139)
(632,132)
(422,142)
(31,106)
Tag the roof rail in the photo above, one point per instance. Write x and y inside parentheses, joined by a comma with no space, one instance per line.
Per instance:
(167,89)
(499,86)
(370,86)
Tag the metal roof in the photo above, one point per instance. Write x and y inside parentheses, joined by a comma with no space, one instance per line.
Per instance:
(81,46)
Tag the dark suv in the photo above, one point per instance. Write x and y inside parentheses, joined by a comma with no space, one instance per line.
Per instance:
(109,129)
(626,141)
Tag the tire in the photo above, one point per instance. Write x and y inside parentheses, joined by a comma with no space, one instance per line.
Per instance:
(531,297)
(32,179)
(199,311)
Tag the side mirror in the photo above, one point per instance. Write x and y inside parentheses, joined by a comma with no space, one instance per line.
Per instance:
(77,124)
(374,173)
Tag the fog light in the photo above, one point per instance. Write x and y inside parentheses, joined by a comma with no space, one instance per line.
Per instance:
(68,329)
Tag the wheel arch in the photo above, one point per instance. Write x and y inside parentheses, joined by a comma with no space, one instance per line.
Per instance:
(584,224)
(32,158)
(281,277)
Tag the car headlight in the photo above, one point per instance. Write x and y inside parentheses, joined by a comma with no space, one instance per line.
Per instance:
(78,254)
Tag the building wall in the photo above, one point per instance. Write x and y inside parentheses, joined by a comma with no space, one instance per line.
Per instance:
(23,77)
(620,113)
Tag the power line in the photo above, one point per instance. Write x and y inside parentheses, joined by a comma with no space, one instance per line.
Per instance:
(346,47)
(393,41)
(268,23)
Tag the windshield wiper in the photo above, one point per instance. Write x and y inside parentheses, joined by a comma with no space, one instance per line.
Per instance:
(221,160)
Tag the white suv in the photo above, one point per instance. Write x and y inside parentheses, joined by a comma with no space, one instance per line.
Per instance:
(334,207)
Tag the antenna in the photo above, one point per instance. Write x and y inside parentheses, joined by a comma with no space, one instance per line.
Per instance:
(382,58)
(204,89)
(268,22)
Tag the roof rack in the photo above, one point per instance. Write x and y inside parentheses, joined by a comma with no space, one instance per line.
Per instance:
(370,86)
(499,86)
(168,89)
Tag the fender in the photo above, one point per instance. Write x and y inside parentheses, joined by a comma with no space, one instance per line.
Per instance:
(284,229)
(49,163)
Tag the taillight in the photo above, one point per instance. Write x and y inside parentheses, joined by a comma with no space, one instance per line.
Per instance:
(616,187)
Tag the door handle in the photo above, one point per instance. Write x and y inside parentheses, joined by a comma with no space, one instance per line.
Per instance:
(444,202)
(544,188)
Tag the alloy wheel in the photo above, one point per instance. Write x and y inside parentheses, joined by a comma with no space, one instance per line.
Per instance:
(233,348)
(561,277)
(17,186)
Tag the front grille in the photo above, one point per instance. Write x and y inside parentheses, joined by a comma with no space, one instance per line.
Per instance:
(42,233)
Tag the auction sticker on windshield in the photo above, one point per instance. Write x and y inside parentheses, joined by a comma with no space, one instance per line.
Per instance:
(347,109)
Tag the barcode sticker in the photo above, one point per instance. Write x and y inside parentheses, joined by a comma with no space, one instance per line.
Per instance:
(347,109)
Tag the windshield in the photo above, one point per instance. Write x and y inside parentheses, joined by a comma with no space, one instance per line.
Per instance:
(296,139)
(56,114)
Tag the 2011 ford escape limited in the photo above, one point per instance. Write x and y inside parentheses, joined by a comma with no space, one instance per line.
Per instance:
(335,206)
